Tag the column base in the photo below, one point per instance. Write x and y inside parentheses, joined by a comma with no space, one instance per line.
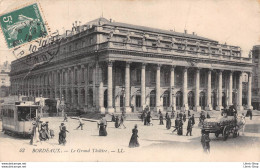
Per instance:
(185,107)
(110,110)
(128,110)
(209,108)
(219,108)
(117,109)
(197,108)
(102,110)
(250,107)
(240,108)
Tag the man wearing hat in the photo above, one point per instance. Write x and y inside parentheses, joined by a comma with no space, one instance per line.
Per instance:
(189,127)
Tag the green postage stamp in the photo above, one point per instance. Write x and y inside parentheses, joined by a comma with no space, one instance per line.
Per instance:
(23,25)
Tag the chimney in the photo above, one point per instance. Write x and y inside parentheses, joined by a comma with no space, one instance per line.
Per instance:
(193,33)
(185,31)
(110,20)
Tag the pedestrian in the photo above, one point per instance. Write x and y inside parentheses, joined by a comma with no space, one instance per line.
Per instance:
(184,117)
(142,116)
(116,122)
(180,115)
(208,116)
(62,134)
(47,126)
(113,119)
(65,117)
(148,118)
(249,113)
(205,142)
(176,125)
(161,119)
(102,127)
(189,127)
(43,133)
(180,127)
(145,118)
(122,121)
(193,119)
(80,123)
(134,141)
(168,122)
(189,113)
(32,132)
(159,112)
(172,115)
(166,115)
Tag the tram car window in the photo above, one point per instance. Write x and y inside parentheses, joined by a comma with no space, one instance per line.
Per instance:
(26,113)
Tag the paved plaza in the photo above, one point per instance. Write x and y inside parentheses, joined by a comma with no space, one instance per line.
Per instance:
(156,144)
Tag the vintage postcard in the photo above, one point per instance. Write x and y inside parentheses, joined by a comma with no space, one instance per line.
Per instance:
(125,81)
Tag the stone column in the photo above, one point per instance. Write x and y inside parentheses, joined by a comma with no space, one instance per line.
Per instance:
(240,87)
(79,83)
(143,94)
(197,93)
(158,88)
(172,96)
(185,86)
(249,86)
(230,88)
(61,82)
(86,85)
(110,108)
(101,92)
(209,103)
(127,88)
(219,106)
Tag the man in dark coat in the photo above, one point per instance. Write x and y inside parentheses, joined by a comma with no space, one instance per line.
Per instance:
(161,119)
(116,122)
(184,117)
(176,125)
(180,115)
(180,128)
(193,119)
(189,127)
(189,113)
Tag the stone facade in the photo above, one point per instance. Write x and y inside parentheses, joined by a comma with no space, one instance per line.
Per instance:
(256,77)
(113,67)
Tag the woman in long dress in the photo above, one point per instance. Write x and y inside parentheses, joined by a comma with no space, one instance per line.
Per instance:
(102,128)
(134,141)
(62,134)
(116,122)
(168,122)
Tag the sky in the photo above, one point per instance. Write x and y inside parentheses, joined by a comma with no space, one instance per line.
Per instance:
(236,22)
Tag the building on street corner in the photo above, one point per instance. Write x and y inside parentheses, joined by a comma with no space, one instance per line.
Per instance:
(256,78)
(108,67)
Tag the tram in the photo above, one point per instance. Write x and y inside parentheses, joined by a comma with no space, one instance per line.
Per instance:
(17,118)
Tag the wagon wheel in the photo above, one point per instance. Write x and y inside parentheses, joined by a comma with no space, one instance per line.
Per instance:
(216,134)
(225,133)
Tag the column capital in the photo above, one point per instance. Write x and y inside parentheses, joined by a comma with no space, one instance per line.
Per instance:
(127,63)
(173,67)
(110,63)
(144,65)
(159,66)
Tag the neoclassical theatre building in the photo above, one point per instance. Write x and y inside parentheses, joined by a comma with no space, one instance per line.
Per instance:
(107,67)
